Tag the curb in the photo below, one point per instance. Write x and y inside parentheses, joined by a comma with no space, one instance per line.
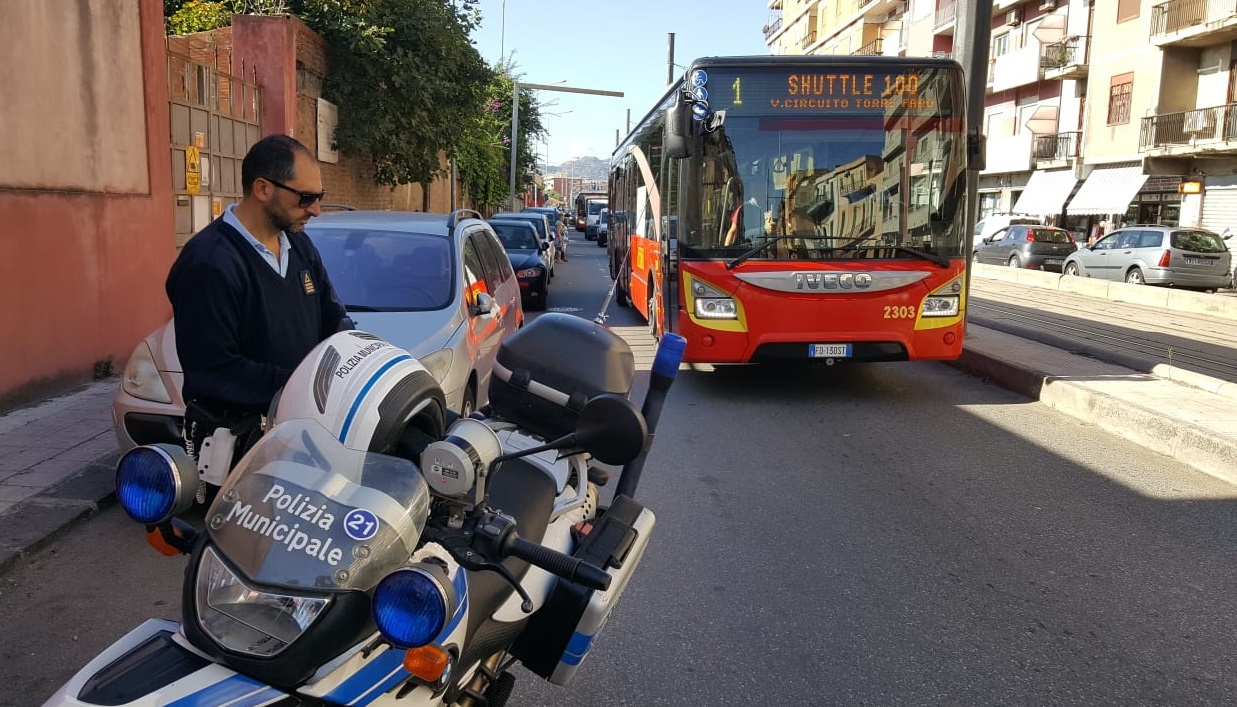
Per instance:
(1180,439)
(46,516)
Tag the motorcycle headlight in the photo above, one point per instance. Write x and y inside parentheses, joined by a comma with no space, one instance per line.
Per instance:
(156,482)
(411,605)
(247,620)
(142,379)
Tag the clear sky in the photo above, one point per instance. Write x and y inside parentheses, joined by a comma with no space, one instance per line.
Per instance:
(618,45)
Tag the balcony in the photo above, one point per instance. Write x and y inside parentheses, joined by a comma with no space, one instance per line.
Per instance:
(1008,154)
(946,13)
(1193,23)
(1055,150)
(872,48)
(1066,59)
(808,39)
(942,55)
(772,28)
(1190,132)
(1020,67)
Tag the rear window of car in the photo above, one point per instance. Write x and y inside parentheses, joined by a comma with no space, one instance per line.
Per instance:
(1051,235)
(1198,242)
(387,270)
(595,207)
(515,237)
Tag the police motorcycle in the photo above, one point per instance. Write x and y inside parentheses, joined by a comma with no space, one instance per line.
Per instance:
(333,570)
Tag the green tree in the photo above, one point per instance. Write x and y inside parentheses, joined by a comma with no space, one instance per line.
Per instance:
(483,158)
(405,76)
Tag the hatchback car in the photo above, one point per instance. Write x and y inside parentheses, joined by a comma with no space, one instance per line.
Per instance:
(1031,247)
(987,226)
(439,286)
(527,254)
(542,224)
(1156,255)
(603,228)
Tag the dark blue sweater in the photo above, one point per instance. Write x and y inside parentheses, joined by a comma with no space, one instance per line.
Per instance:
(241,329)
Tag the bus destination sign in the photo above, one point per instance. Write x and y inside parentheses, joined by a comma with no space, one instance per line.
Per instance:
(766,92)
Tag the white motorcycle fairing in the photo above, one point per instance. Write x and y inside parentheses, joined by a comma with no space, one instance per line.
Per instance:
(150,667)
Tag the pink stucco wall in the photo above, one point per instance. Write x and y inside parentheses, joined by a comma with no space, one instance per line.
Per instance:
(81,272)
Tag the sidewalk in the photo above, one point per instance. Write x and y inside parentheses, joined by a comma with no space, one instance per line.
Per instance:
(57,457)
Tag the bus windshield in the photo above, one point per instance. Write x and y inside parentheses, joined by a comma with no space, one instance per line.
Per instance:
(847,172)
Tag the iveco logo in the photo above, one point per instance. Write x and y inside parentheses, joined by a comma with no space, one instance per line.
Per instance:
(832,280)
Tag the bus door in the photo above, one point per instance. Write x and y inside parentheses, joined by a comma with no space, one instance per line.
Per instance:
(671,297)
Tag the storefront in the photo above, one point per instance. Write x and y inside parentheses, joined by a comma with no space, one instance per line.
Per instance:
(1157,202)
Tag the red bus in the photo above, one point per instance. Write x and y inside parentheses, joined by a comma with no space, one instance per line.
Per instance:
(805,207)
(582,198)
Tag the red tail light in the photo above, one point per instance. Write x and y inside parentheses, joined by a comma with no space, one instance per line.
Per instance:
(1030,236)
(1166,259)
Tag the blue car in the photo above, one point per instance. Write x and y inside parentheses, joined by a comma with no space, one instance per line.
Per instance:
(528,255)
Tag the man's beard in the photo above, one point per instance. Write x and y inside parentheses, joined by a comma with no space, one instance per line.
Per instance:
(282,222)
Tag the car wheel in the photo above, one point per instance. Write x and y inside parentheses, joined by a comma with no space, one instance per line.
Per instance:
(1071,269)
(1014,262)
(469,404)
(974,256)
(1135,277)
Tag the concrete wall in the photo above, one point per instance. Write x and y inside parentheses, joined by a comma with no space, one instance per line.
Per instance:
(85,196)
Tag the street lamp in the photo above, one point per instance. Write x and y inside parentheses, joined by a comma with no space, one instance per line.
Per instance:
(515,121)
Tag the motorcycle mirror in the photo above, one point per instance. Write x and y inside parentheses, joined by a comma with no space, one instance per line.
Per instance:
(611,428)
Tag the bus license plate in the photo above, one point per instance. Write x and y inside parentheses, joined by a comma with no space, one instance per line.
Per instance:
(828,351)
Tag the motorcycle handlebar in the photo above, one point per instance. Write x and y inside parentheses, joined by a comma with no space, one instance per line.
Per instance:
(555,562)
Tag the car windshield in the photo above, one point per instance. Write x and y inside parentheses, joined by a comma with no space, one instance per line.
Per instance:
(595,207)
(380,270)
(1198,242)
(1051,235)
(515,237)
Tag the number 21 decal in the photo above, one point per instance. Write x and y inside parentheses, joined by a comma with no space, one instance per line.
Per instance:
(360,524)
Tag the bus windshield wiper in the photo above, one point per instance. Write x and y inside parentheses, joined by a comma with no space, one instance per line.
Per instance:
(938,259)
(756,249)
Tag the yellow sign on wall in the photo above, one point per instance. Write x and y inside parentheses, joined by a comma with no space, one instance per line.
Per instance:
(193,159)
(193,182)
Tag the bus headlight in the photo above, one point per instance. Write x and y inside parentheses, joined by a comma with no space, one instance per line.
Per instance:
(716,308)
(712,303)
(941,306)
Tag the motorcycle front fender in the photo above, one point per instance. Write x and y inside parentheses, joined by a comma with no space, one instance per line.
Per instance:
(148,667)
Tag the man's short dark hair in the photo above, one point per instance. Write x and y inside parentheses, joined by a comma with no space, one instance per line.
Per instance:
(272,157)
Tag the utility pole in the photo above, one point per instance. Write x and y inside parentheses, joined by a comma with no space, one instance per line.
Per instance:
(974,27)
(669,59)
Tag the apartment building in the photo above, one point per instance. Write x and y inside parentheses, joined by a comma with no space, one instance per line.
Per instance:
(1096,111)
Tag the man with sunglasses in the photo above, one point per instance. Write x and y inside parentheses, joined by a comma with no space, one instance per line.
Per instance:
(250,294)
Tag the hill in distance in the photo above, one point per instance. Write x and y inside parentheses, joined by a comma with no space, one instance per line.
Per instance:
(590,168)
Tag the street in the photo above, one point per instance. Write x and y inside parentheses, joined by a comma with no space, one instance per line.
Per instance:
(884,534)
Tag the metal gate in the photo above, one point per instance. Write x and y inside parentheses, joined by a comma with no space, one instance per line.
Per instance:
(1220,204)
(215,118)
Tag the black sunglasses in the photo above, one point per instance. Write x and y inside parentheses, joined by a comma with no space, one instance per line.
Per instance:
(307,197)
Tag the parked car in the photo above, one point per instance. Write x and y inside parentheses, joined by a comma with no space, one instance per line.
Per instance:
(528,255)
(542,224)
(992,223)
(1031,247)
(1230,240)
(439,286)
(557,225)
(1156,255)
(603,228)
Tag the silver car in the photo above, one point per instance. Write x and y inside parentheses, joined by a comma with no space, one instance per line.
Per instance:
(439,286)
(1156,255)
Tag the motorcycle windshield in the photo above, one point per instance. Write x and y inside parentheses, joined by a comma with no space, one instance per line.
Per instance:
(303,511)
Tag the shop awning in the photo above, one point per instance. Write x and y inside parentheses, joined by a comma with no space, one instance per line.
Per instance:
(1108,190)
(1046,192)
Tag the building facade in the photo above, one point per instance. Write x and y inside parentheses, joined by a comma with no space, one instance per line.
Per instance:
(1097,112)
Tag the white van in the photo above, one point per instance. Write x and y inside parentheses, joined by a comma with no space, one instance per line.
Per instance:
(994,222)
(591,217)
